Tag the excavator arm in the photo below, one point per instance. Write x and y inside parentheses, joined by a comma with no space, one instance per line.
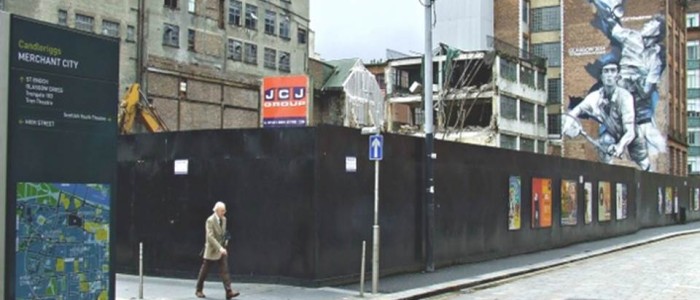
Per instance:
(135,106)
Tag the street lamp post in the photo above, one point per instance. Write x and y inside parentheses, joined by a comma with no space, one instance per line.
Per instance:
(428,127)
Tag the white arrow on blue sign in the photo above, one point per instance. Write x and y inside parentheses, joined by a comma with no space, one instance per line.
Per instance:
(376,143)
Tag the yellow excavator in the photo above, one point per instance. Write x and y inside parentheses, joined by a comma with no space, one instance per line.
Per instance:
(133,106)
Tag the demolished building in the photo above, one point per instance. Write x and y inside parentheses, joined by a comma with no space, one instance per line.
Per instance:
(494,97)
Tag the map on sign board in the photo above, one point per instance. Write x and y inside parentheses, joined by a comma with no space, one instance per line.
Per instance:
(62,245)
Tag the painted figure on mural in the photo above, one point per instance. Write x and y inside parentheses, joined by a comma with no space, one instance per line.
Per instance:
(640,54)
(613,108)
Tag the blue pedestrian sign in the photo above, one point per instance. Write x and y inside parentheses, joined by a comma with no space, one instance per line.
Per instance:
(376,143)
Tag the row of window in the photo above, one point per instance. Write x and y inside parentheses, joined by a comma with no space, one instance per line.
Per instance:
(250,21)
(87,23)
(529,112)
(249,18)
(550,51)
(525,144)
(248,53)
(527,75)
(236,50)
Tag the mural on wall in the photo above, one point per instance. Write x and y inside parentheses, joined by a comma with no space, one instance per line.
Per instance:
(625,99)
(588,197)
(669,200)
(621,201)
(604,207)
(568,202)
(514,203)
(541,202)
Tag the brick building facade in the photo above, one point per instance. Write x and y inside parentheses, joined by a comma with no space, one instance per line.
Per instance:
(567,33)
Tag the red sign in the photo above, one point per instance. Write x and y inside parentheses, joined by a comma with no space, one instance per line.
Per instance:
(285,101)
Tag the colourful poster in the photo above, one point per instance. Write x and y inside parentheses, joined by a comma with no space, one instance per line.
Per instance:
(588,198)
(661,201)
(514,203)
(621,201)
(541,202)
(668,203)
(675,200)
(604,206)
(284,101)
(696,199)
(568,202)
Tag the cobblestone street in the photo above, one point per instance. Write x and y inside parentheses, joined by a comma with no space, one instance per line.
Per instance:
(669,269)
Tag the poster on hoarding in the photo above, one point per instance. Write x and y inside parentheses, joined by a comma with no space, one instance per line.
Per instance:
(569,209)
(621,201)
(514,203)
(668,203)
(285,101)
(588,198)
(604,207)
(661,201)
(696,199)
(541,202)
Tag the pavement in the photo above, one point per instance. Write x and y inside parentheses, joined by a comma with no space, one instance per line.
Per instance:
(408,286)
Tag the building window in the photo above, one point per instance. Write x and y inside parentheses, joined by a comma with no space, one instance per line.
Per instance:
(546,19)
(190,39)
(2,4)
(302,36)
(540,115)
(285,59)
(550,51)
(540,80)
(527,112)
(85,23)
(554,124)
(691,20)
(62,17)
(541,147)
(693,50)
(130,33)
(527,144)
(234,12)
(251,17)
(526,43)
(526,11)
(172,4)
(251,54)
(191,6)
(509,142)
(527,76)
(693,138)
(693,79)
(284,27)
(554,90)
(110,28)
(171,35)
(693,164)
(270,58)
(235,50)
(509,107)
(270,21)
(693,105)
(508,70)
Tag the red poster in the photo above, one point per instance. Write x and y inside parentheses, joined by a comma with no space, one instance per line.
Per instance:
(285,101)
(541,202)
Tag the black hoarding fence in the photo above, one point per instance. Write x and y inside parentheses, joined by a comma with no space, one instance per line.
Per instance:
(298,215)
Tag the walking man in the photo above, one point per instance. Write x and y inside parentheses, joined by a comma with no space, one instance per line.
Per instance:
(215,251)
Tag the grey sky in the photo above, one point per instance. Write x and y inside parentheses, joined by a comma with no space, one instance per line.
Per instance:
(366,28)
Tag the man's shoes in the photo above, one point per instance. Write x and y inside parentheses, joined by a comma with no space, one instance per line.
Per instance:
(231,294)
(199,295)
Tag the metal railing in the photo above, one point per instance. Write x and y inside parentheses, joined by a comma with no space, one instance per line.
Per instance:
(513,51)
